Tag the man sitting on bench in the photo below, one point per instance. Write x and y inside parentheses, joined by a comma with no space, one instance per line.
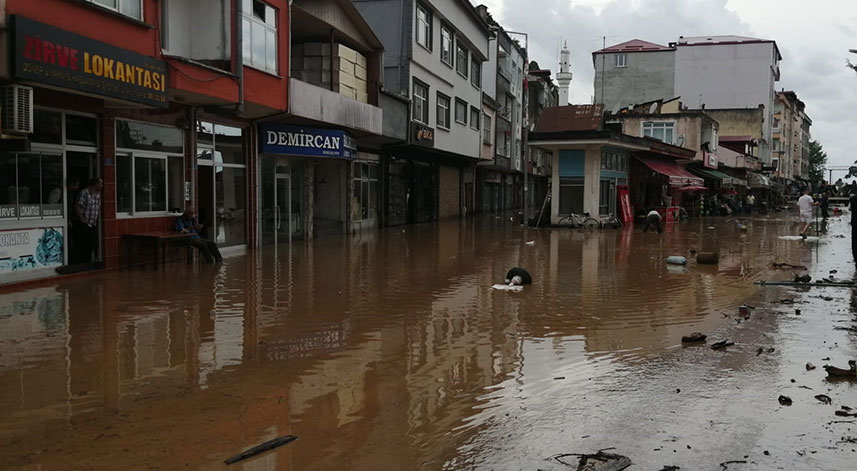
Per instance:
(186,224)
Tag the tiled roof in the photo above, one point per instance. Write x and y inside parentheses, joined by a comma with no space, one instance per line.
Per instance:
(634,45)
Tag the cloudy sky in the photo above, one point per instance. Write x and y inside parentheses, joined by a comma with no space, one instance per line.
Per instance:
(813,36)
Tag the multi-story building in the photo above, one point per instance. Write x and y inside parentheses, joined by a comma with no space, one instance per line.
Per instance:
(805,137)
(543,93)
(500,182)
(706,72)
(633,72)
(433,53)
(176,105)
(787,146)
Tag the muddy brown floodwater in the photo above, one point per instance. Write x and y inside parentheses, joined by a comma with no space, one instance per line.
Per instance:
(391,352)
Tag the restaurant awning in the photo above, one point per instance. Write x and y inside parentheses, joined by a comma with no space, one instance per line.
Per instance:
(726,180)
(678,175)
(758,181)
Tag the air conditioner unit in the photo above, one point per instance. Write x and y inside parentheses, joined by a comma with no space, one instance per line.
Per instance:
(16,116)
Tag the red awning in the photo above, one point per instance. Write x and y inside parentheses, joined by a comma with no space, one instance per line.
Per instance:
(691,188)
(679,176)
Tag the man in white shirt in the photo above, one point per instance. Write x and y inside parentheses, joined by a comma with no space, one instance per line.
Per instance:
(805,204)
(653,219)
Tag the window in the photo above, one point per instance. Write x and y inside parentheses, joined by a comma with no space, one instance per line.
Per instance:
(620,60)
(570,195)
(461,58)
(421,102)
(475,72)
(607,197)
(259,23)
(221,149)
(32,185)
(474,117)
(661,131)
(615,161)
(460,111)
(486,129)
(149,168)
(366,191)
(446,45)
(132,8)
(424,21)
(443,105)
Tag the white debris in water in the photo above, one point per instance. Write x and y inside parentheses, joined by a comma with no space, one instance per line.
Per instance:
(501,287)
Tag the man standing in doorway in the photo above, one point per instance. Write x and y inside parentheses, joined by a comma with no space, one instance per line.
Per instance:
(88,209)
(186,224)
(805,204)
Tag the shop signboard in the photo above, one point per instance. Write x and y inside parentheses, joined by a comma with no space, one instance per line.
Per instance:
(280,139)
(29,249)
(710,160)
(53,56)
(625,205)
(422,135)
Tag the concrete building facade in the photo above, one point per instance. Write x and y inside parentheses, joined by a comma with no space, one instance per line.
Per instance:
(433,55)
(633,72)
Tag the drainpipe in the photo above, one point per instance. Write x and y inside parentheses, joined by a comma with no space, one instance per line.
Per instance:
(401,46)
(239,54)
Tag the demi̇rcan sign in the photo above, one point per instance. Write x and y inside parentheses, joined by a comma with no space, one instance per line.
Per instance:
(53,56)
(280,139)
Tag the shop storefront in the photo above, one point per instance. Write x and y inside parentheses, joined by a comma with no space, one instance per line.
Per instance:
(304,181)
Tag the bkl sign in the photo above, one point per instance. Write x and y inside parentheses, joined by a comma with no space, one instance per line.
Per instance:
(309,142)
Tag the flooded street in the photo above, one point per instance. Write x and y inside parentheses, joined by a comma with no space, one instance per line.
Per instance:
(393,352)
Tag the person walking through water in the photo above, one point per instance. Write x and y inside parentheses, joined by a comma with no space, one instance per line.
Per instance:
(186,224)
(805,204)
(852,204)
(825,204)
(653,219)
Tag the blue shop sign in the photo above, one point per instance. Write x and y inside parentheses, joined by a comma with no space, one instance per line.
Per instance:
(310,142)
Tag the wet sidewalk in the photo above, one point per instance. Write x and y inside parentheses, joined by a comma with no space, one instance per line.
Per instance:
(392,352)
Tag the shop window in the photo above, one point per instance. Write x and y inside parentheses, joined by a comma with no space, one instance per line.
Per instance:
(220,149)
(81,130)
(570,195)
(31,185)
(260,35)
(228,145)
(230,189)
(47,127)
(131,8)
(151,137)
(149,169)
(366,191)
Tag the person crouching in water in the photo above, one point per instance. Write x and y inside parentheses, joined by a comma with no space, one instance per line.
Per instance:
(518,276)
(653,219)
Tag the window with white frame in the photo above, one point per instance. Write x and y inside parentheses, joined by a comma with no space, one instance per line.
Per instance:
(149,169)
(131,8)
(259,23)
(474,117)
(460,111)
(486,129)
(475,71)
(443,110)
(446,45)
(461,54)
(662,131)
(421,102)
(424,21)
(366,191)
(620,60)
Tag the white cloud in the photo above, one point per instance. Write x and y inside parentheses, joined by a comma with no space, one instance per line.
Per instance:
(813,36)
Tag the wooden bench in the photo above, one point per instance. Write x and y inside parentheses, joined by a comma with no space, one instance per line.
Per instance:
(160,240)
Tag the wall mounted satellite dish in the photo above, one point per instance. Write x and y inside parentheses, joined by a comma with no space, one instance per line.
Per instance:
(680,141)
(653,108)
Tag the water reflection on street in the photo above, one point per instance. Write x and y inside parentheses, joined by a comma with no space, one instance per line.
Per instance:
(387,351)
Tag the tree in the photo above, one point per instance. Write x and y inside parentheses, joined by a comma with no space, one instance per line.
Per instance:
(817,162)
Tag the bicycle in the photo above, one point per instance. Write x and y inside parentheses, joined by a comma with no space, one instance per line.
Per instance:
(613,221)
(579,220)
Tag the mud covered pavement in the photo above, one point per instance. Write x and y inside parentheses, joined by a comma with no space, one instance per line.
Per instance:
(393,352)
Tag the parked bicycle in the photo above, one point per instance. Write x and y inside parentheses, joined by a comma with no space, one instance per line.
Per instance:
(579,220)
(613,221)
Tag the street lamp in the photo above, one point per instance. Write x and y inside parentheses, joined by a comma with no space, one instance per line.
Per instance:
(526,126)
